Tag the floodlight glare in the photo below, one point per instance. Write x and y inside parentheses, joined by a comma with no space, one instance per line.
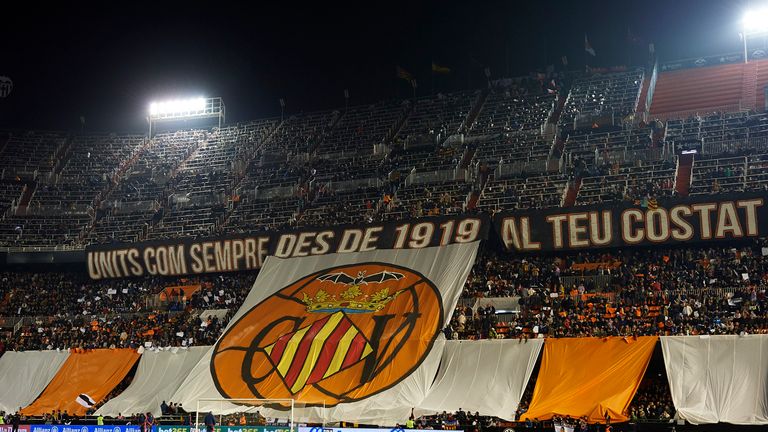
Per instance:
(178,106)
(756,21)
(190,108)
(754,24)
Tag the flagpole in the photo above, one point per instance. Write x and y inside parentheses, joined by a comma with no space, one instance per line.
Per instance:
(432,82)
(506,57)
(469,72)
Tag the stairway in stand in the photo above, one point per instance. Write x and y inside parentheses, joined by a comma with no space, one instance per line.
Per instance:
(643,94)
(571,193)
(749,86)
(683,175)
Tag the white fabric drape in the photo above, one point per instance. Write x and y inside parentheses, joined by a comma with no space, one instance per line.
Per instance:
(487,376)
(509,304)
(718,378)
(157,377)
(447,267)
(24,375)
(215,313)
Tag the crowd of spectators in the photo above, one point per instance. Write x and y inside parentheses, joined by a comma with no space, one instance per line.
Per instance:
(151,330)
(459,420)
(631,189)
(652,401)
(37,294)
(647,291)
(65,294)
(67,310)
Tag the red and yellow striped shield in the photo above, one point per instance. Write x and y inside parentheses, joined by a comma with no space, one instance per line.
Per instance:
(318,351)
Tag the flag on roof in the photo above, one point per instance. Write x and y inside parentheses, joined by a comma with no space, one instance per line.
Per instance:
(404,74)
(438,69)
(587,46)
(633,38)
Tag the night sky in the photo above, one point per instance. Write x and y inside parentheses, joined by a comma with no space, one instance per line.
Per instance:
(108,63)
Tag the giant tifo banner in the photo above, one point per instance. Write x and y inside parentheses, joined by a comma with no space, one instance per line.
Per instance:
(247,251)
(349,337)
(711,218)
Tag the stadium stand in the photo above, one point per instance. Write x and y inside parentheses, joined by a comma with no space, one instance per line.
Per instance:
(10,194)
(614,94)
(432,117)
(31,154)
(523,193)
(627,183)
(359,128)
(482,151)
(267,174)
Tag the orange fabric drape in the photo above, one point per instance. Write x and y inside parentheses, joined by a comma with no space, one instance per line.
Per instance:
(95,373)
(589,376)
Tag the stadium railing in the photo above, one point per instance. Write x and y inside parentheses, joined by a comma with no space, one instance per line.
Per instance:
(456,174)
(675,115)
(752,144)
(630,156)
(517,168)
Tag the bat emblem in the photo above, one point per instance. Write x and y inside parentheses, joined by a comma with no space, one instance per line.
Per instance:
(361,278)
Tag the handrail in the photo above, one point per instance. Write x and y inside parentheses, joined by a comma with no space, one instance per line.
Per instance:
(29,319)
(734,145)
(626,155)
(651,89)
(57,248)
(437,176)
(682,115)
(697,62)
(516,168)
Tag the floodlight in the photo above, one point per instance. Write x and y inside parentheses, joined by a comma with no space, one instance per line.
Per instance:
(177,107)
(756,21)
(188,108)
(754,24)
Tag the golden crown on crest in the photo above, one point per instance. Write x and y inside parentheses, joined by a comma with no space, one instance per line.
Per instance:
(351,300)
